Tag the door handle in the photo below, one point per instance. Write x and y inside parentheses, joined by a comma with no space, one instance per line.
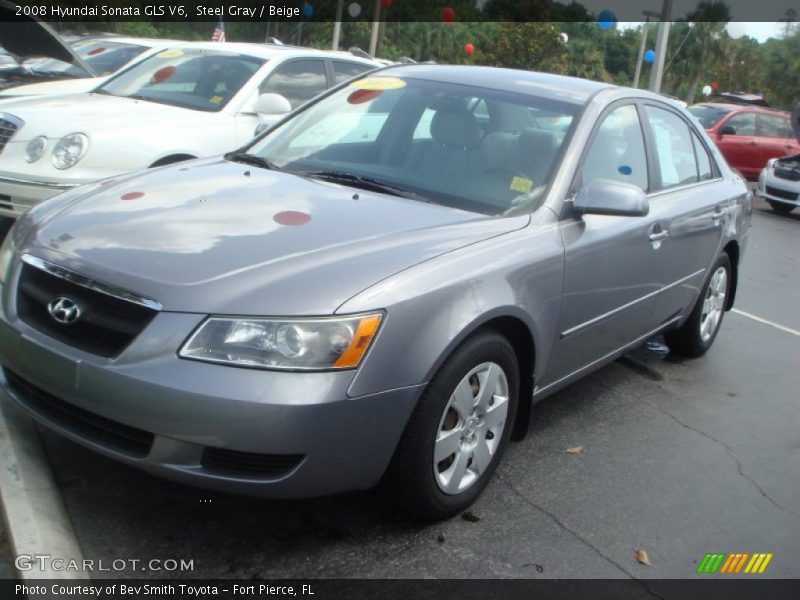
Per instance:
(753,143)
(718,215)
(657,236)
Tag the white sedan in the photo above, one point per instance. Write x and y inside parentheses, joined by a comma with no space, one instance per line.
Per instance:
(105,55)
(190,100)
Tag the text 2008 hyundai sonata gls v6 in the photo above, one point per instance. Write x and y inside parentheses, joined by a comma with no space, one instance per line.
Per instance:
(377,289)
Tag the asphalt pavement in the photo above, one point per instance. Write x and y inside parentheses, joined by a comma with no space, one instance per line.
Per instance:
(679,458)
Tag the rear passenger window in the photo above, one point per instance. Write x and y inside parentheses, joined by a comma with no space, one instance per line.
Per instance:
(674,149)
(297,81)
(347,70)
(704,169)
(774,127)
(617,150)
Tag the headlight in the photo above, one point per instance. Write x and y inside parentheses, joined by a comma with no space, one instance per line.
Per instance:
(285,344)
(35,148)
(6,256)
(69,150)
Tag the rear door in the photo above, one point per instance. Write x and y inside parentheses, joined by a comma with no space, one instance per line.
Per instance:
(775,137)
(688,198)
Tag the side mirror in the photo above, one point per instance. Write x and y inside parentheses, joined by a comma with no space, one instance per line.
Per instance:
(727,130)
(607,197)
(271,104)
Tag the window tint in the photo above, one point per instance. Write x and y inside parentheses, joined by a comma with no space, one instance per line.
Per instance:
(297,81)
(773,126)
(704,169)
(617,150)
(675,154)
(743,124)
(347,70)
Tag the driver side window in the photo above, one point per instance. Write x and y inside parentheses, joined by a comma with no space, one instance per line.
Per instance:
(617,150)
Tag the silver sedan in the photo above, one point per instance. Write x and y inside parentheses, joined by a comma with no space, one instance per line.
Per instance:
(376,290)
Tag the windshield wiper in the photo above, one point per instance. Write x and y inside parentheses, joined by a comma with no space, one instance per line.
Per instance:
(251,159)
(365,183)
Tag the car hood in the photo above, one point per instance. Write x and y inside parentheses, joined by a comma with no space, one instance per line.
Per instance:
(26,37)
(212,236)
(91,113)
(52,88)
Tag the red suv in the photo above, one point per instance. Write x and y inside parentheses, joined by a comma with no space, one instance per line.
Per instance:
(747,136)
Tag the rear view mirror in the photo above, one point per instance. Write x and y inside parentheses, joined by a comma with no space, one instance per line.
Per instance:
(608,197)
(271,104)
(728,130)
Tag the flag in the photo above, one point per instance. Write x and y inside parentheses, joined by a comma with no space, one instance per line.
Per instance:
(219,32)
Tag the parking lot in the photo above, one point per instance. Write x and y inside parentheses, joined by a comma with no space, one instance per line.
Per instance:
(678,459)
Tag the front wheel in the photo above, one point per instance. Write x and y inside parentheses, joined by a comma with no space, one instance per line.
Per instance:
(696,335)
(780,207)
(458,431)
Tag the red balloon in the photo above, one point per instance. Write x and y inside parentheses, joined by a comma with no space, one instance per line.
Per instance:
(386,3)
(469,48)
(714,85)
(448,14)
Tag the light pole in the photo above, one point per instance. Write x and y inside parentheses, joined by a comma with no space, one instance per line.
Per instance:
(337,25)
(661,47)
(373,42)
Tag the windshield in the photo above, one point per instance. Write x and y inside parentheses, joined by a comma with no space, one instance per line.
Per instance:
(708,115)
(103,57)
(471,148)
(189,77)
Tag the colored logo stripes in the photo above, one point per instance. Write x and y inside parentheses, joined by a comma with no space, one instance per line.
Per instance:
(734,563)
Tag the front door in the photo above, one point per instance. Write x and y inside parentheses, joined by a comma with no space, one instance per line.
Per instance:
(609,275)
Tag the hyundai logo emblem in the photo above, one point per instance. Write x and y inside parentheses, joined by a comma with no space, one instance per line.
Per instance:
(64,310)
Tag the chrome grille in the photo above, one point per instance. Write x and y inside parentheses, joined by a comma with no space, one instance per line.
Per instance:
(9,125)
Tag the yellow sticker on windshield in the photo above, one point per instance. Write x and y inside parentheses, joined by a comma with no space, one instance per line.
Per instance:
(215,99)
(521,184)
(170,53)
(378,83)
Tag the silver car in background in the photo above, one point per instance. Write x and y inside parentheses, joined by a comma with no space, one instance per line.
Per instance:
(376,290)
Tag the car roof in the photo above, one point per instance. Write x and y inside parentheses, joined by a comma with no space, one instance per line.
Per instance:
(731,107)
(555,87)
(272,51)
(117,39)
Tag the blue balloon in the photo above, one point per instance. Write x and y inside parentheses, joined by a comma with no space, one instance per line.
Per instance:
(649,56)
(606,19)
(308,10)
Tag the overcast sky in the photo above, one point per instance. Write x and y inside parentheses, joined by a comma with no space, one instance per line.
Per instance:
(759,31)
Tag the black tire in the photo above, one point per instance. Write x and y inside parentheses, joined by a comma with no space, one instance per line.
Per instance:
(410,483)
(780,207)
(688,340)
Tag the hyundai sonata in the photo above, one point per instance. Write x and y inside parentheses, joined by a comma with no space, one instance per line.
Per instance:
(377,289)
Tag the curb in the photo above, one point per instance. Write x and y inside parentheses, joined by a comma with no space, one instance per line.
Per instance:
(36,520)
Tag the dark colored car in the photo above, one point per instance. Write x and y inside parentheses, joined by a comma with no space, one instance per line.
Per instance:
(747,136)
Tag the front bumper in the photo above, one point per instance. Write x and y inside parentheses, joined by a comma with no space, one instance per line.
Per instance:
(775,189)
(18,195)
(263,433)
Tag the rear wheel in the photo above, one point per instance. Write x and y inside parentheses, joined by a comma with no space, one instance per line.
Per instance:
(458,431)
(780,207)
(697,334)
